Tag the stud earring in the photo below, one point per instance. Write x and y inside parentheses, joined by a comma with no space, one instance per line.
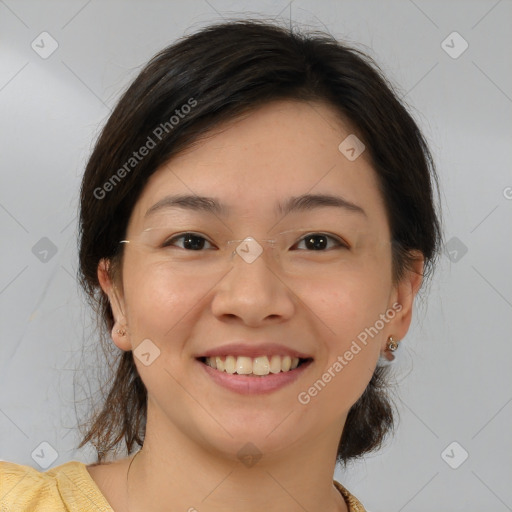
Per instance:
(121,332)
(391,346)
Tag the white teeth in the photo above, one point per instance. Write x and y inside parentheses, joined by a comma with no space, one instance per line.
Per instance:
(243,365)
(261,365)
(275,364)
(229,364)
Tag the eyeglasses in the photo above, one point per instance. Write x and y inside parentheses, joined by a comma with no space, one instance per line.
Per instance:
(195,254)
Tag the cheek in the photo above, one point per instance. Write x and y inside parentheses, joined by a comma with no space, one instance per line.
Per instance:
(348,355)
(156,300)
(347,304)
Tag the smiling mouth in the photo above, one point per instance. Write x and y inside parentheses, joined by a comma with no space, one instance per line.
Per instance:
(254,366)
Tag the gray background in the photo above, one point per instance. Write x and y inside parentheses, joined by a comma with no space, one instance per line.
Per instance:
(454,374)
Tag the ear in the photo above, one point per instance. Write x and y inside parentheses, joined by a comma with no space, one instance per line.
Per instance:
(403,295)
(116,299)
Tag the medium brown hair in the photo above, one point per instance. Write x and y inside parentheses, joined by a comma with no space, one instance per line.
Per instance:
(226,70)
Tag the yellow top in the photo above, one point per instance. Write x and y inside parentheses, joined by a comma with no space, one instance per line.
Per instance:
(70,488)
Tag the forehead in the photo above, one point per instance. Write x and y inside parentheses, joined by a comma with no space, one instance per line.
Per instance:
(283,149)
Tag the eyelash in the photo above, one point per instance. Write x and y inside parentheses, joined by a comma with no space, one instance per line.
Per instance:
(340,243)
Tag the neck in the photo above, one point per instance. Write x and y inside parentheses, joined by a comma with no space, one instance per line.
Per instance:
(173,472)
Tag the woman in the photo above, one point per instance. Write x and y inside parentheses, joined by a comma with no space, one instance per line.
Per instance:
(256,220)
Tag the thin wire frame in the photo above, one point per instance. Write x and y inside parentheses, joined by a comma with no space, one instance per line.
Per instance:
(220,253)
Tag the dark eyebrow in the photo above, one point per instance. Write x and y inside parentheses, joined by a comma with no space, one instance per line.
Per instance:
(189,202)
(304,202)
(309,201)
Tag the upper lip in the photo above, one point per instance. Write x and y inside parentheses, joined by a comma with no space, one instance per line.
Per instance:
(252,350)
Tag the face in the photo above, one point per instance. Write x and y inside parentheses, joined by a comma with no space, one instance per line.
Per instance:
(321,292)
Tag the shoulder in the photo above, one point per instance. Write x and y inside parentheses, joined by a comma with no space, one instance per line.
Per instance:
(354,505)
(65,488)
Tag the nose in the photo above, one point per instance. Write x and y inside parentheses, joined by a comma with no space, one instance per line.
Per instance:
(254,293)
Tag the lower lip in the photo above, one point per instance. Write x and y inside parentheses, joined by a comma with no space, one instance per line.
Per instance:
(250,385)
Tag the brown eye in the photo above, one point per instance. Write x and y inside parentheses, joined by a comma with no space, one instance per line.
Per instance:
(320,242)
(189,241)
